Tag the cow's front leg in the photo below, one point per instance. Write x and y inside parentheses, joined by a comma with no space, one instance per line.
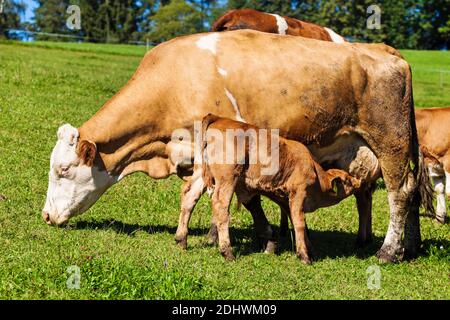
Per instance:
(297,216)
(191,192)
(263,229)
(284,223)
(364,204)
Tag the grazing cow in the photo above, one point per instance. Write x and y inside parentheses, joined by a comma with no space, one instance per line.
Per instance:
(273,23)
(317,92)
(298,183)
(434,138)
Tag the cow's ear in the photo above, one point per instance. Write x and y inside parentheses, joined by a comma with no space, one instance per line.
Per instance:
(87,150)
(334,184)
(68,134)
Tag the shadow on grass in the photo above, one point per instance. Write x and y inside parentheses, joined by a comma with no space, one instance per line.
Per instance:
(129,229)
(326,244)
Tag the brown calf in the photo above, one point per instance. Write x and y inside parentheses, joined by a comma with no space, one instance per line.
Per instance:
(298,184)
(273,23)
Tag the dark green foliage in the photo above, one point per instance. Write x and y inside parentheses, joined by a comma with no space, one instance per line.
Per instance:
(422,24)
(10,16)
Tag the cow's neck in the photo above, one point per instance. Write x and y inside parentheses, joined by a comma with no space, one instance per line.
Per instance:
(130,133)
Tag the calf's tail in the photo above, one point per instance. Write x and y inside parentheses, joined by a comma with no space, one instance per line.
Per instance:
(207,176)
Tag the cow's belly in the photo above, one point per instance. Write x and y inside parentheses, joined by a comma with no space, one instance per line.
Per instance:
(350,153)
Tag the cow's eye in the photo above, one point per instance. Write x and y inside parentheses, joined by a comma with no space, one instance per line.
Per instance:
(63,171)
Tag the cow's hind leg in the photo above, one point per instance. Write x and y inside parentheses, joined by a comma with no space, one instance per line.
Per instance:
(401,185)
(190,194)
(263,229)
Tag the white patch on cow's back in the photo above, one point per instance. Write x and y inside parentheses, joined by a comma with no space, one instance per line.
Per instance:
(223,72)
(281,23)
(235,105)
(208,42)
(334,36)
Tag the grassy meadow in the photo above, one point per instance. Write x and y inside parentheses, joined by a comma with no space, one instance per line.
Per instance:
(124,245)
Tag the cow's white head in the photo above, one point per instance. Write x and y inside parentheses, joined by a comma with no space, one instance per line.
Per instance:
(75,179)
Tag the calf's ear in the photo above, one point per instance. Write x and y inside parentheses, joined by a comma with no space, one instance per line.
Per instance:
(87,150)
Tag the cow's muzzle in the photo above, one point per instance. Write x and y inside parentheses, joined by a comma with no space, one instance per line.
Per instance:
(46,217)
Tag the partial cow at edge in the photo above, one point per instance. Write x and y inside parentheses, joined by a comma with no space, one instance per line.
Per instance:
(273,23)
(434,138)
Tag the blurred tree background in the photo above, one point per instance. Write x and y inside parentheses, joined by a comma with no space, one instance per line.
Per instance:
(419,24)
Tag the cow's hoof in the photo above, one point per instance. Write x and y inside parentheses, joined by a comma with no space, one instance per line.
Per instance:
(440,219)
(181,242)
(410,254)
(271,247)
(384,257)
(212,237)
(361,242)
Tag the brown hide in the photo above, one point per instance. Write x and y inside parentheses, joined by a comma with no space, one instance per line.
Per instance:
(261,21)
(433,127)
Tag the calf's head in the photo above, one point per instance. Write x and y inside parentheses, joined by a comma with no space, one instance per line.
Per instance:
(342,184)
(76,180)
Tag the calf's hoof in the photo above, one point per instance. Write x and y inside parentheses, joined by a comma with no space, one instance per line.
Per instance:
(227,254)
(212,237)
(305,259)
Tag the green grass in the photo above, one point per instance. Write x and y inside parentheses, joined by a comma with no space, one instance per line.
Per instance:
(124,245)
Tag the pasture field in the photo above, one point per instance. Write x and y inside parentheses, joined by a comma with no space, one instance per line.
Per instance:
(124,245)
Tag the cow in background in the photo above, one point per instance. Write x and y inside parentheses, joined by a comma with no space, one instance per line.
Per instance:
(273,23)
(433,127)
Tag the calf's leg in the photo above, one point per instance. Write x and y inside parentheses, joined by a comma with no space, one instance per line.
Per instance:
(221,199)
(364,204)
(190,194)
(297,216)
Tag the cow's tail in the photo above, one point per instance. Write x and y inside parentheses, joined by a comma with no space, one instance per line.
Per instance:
(219,25)
(425,189)
(207,176)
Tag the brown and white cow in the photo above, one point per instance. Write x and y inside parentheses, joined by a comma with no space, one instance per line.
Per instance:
(433,127)
(273,23)
(315,92)
(286,173)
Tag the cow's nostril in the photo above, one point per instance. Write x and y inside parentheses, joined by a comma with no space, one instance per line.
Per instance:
(46,217)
